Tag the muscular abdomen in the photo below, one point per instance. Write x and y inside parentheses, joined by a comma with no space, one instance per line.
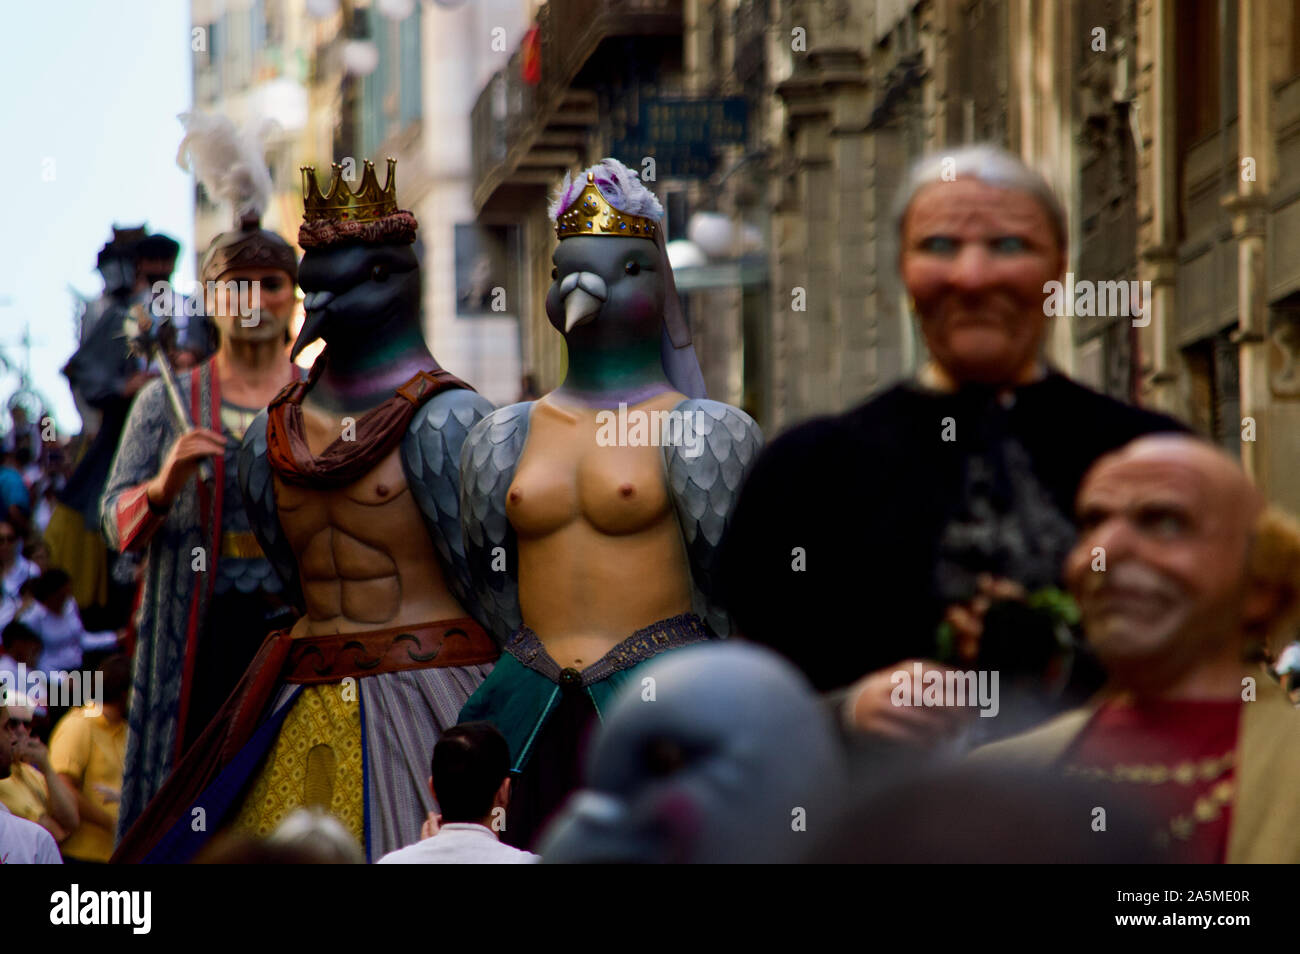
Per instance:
(365,559)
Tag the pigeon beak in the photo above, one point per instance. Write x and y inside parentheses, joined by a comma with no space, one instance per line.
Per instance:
(314,304)
(314,301)
(580,307)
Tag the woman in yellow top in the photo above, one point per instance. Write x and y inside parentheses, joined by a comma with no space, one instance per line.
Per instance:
(88,750)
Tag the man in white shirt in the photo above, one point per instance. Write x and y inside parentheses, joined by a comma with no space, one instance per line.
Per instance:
(21,841)
(471,782)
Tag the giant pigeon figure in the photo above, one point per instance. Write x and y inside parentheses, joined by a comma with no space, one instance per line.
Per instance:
(735,761)
(351,482)
(592,516)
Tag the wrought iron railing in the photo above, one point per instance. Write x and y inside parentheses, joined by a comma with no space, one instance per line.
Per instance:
(510,112)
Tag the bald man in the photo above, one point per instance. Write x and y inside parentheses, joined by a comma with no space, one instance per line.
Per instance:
(1169,596)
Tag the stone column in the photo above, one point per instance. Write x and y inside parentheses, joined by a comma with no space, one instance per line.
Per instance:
(1160,363)
(854,310)
(1249,209)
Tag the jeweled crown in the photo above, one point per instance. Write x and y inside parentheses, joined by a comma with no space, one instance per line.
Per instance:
(341,204)
(592,214)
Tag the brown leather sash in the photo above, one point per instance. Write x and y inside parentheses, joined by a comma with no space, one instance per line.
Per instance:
(449,642)
(344,461)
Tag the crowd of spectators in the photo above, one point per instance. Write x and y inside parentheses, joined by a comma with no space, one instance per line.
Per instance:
(64,688)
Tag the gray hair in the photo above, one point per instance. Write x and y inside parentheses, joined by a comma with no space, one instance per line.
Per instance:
(316,832)
(985,163)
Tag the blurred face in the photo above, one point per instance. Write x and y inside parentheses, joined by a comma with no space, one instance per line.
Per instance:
(25,651)
(152,270)
(974,259)
(119,274)
(1173,519)
(251,304)
(8,739)
(20,730)
(58,599)
(8,543)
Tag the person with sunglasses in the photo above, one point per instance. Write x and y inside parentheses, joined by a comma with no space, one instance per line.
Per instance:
(31,788)
(21,841)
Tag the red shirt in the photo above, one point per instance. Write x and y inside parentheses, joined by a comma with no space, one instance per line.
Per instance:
(1172,734)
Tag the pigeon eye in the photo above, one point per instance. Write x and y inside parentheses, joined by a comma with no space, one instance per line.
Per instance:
(663,757)
(632,268)
(379,273)
(555,273)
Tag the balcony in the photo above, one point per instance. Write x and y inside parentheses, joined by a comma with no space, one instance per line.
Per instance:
(526,135)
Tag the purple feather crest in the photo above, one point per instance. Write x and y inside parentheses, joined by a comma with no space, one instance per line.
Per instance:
(617,183)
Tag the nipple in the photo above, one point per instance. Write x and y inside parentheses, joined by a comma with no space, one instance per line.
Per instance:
(626,490)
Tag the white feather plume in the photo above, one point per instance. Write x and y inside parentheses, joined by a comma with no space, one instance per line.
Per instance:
(231,163)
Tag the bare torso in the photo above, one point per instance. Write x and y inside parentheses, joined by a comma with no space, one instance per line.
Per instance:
(365,559)
(600,550)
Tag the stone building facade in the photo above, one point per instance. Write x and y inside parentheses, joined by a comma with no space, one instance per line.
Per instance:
(1218,96)
(1171,129)
(355,83)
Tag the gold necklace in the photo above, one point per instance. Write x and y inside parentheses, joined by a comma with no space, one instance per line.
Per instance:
(1206,809)
(1184,773)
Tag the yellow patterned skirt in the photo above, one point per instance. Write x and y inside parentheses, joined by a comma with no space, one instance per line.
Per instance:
(316,760)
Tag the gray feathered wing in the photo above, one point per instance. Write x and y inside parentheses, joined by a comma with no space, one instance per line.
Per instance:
(431,451)
(257,483)
(706,469)
(487,467)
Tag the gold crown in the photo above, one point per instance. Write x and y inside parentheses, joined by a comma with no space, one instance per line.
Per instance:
(367,204)
(592,214)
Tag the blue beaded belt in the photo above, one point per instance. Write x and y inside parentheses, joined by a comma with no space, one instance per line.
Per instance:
(526,646)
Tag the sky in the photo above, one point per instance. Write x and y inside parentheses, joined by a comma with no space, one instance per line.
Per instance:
(88,132)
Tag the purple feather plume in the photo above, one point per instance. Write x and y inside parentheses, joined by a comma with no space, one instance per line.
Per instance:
(617,183)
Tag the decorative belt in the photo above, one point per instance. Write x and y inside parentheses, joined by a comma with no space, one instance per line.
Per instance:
(526,646)
(241,544)
(451,642)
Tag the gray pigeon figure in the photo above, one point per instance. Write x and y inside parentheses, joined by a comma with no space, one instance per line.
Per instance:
(736,761)
(614,300)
